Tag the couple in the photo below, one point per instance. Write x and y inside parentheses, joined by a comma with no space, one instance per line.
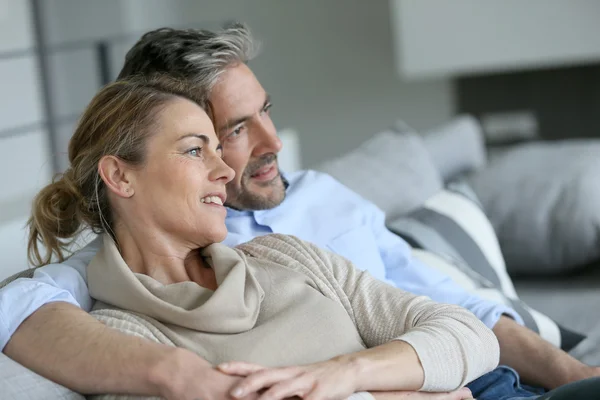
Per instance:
(120,187)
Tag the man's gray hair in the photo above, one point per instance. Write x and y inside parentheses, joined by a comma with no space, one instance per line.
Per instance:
(196,56)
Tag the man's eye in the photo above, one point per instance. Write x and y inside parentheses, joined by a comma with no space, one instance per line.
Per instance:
(267,108)
(195,152)
(236,132)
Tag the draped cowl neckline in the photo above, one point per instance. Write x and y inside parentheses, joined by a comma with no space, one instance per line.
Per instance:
(232,308)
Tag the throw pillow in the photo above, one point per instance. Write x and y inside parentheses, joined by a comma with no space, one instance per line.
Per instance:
(543,199)
(451,233)
(457,147)
(395,171)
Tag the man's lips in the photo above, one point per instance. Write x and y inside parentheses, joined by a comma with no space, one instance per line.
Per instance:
(266,173)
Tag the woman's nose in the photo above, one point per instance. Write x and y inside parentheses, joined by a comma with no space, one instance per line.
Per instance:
(222,171)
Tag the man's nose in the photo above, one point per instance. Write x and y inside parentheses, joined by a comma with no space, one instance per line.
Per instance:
(266,139)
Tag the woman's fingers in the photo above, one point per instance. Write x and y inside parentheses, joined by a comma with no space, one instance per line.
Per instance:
(463,394)
(239,368)
(297,386)
(262,379)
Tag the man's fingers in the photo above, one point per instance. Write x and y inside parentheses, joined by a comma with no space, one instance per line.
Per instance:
(239,368)
(262,379)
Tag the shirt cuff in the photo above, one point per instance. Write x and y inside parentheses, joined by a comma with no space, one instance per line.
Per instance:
(491,318)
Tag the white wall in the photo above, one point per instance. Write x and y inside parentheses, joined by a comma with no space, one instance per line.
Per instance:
(24,150)
(329,66)
(448,38)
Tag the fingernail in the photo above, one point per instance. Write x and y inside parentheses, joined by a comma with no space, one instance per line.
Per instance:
(224,366)
(237,393)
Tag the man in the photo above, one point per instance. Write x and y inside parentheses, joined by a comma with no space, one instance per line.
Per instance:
(62,342)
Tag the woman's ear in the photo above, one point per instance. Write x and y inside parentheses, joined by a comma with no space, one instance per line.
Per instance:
(116,175)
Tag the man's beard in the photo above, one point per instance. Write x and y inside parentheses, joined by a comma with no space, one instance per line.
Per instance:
(242,198)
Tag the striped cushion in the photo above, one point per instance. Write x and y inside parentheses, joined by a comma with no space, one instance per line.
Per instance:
(451,232)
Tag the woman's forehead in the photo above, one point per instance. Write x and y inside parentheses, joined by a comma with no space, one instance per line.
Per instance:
(181,117)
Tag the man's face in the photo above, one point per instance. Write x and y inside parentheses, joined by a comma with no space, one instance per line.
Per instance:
(250,144)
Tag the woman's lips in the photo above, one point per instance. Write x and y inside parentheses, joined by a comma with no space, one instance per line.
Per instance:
(266,173)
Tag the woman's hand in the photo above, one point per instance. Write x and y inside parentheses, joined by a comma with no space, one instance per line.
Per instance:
(333,379)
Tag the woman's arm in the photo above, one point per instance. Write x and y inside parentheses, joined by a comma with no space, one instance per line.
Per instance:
(449,344)
(439,345)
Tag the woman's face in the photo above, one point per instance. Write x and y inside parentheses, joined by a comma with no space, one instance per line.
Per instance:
(180,189)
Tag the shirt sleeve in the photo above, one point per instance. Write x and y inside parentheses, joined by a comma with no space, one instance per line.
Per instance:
(65,282)
(409,274)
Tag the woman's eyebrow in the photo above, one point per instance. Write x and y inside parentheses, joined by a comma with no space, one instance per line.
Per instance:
(204,138)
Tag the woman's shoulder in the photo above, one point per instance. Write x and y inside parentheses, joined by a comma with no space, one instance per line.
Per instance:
(275,245)
(288,251)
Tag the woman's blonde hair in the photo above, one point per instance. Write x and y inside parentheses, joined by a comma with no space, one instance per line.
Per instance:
(117,122)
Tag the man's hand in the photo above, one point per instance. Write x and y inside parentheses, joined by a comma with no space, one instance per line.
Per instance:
(186,376)
(461,394)
(537,361)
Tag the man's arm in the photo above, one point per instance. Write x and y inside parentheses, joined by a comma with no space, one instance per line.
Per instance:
(65,282)
(65,344)
(536,360)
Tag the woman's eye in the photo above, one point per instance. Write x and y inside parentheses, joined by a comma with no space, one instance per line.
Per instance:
(195,152)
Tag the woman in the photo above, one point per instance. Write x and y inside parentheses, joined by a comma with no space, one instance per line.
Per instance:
(146,172)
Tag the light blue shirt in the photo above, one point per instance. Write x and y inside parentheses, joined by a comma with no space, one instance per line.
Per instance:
(318,209)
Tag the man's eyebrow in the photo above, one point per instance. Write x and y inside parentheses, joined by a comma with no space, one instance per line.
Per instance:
(239,120)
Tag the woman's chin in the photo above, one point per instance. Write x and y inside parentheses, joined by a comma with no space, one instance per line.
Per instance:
(217,235)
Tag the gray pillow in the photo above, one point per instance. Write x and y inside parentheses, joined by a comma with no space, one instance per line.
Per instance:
(543,200)
(393,170)
(456,147)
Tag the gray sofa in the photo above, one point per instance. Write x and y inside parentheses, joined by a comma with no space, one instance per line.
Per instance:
(425,165)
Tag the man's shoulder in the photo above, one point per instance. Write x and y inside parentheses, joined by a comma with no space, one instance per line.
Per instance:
(311,179)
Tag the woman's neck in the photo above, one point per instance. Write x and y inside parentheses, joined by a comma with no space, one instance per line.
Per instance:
(163,258)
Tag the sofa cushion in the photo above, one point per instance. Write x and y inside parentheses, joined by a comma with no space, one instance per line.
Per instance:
(457,147)
(393,170)
(451,232)
(17,382)
(27,273)
(543,200)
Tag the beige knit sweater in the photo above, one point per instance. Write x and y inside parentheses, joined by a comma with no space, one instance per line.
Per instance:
(282,301)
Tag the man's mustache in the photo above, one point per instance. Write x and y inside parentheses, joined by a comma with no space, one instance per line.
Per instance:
(258,164)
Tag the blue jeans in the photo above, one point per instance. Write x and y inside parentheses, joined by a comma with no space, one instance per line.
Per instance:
(502,384)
